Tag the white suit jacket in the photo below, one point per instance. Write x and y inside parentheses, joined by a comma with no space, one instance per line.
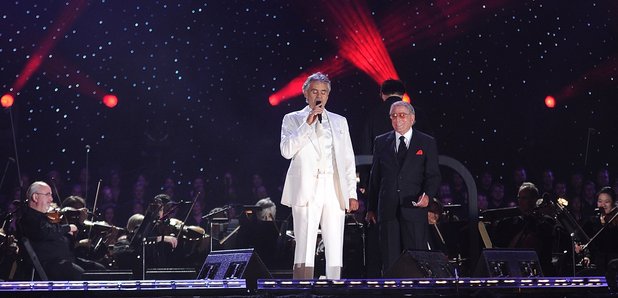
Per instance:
(299,142)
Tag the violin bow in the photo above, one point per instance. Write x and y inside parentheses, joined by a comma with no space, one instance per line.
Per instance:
(53,181)
(94,207)
(182,226)
(601,230)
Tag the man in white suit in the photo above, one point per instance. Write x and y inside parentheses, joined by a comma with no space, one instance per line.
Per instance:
(321,181)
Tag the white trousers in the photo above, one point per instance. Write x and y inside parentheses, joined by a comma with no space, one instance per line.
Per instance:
(325,212)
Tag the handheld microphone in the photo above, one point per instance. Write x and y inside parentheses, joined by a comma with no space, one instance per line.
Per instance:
(317,103)
(87,148)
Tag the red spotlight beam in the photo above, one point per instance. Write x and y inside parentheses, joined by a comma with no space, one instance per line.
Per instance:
(57,69)
(62,24)
(359,40)
(358,34)
(597,76)
(333,67)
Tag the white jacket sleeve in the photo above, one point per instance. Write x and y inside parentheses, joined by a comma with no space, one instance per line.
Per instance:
(295,133)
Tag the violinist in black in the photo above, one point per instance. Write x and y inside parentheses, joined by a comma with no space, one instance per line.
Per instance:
(604,247)
(83,243)
(48,239)
(146,233)
(532,229)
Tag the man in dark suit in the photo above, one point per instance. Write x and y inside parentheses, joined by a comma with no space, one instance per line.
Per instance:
(48,237)
(376,123)
(404,175)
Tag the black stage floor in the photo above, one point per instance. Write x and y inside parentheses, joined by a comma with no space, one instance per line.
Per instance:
(417,287)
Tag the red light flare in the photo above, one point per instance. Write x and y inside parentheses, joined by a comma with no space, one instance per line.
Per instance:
(110,100)
(66,73)
(362,44)
(550,102)
(359,40)
(406,98)
(359,43)
(332,67)
(601,75)
(7,100)
(62,24)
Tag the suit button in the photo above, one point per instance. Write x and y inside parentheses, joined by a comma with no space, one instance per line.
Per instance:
(398,190)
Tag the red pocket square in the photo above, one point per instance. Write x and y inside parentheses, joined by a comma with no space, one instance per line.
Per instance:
(419,152)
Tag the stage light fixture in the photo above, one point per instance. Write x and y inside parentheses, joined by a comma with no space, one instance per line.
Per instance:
(110,100)
(7,100)
(550,102)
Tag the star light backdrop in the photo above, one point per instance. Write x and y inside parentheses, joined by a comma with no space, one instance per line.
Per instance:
(202,86)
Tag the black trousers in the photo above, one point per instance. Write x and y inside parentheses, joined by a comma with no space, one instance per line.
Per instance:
(399,234)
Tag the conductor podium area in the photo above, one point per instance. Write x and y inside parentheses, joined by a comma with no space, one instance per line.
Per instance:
(241,273)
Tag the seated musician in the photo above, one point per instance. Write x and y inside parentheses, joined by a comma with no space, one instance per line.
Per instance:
(269,210)
(532,229)
(604,247)
(435,239)
(150,231)
(83,242)
(48,238)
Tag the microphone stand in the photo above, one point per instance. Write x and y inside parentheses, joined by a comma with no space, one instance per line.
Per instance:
(6,168)
(21,182)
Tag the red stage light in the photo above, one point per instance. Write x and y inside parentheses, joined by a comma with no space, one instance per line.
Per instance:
(407,98)
(331,67)
(550,102)
(7,100)
(110,100)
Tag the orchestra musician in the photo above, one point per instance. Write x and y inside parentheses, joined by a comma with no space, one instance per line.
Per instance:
(48,238)
(94,238)
(604,246)
(151,232)
(532,229)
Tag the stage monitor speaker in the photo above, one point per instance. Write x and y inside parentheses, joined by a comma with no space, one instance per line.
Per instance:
(503,262)
(420,264)
(234,264)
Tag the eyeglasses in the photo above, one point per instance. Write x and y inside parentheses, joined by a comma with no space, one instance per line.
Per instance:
(400,115)
(44,194)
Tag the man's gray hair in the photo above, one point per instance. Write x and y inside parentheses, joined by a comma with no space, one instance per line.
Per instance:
(405,104)
(319,77)
(269,209)
(34,187)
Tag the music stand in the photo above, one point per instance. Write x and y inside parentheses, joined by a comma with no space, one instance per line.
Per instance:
(218,219)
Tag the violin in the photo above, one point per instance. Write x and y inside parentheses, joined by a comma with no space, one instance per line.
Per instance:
(54,216)
(67,215)
(173,226)
(75,216)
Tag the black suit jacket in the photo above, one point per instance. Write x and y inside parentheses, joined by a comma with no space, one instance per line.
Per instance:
(392,186)
(378,122)
(48,239)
